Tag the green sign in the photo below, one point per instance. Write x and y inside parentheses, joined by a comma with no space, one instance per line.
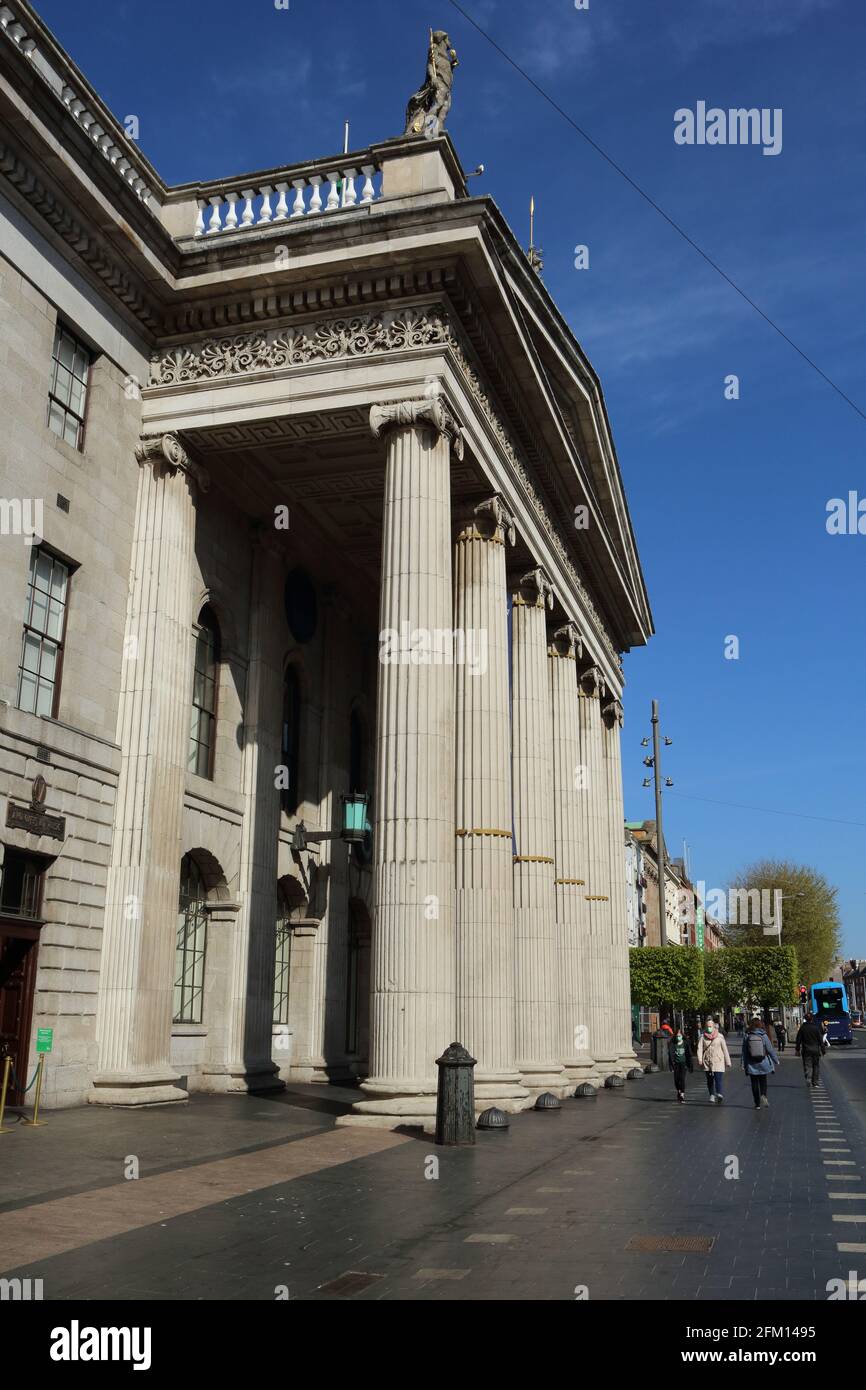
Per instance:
(699,926)
(44,1039)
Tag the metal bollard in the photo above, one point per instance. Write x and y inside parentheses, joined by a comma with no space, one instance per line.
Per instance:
(660,1053)
(36,1120)
(455,1097)
(4,1086)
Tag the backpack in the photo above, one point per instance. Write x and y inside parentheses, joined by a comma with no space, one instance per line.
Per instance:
(755,1047)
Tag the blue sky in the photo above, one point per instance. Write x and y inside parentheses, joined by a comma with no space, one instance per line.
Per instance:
(728,498)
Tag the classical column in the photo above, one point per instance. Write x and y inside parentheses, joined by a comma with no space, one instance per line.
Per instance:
(413,965)
(484,877)
(134,1009)
(537,1009)
(247,1061)
(619,959)
(597,895)
(570,852)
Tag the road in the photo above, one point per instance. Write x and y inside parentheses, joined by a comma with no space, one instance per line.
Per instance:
(624,1197)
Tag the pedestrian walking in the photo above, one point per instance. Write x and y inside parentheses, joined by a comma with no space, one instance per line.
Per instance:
(714,1057)
(680,1055)
(759,1060)
(810,1044)
(781,1035)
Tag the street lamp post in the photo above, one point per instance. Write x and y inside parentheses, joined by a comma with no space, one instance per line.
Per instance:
(655,762)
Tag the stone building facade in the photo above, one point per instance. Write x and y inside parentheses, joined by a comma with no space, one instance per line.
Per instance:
(303,451)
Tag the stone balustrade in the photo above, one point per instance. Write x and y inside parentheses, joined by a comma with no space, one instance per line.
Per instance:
(326,188)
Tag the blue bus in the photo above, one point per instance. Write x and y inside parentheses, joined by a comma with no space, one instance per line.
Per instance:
(830,1006)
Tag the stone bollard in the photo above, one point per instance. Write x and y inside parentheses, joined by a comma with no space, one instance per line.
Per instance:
(455,1098)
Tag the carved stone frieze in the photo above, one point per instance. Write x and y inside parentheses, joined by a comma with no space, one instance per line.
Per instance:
(363,335)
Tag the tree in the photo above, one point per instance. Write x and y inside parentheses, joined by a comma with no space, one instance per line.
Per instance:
(761,977)
(809,914)
(722,983)
(667,975)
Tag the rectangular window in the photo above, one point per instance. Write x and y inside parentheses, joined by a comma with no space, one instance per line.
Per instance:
(21,884)
(44,631)
(189,963)
(282,973)
(67,395)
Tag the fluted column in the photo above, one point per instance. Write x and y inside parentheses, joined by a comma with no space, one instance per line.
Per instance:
(138,945)
(597,896)
(537,1009)
(248,1064)
(612,715)
(485,892)
(413,957)
(570,852)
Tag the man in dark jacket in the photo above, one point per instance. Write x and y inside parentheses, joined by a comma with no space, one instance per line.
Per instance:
(810,1046)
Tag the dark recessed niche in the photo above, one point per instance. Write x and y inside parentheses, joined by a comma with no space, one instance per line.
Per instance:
(301,605)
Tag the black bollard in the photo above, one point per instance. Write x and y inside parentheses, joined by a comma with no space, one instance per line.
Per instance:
(660,1054)
(455,1097)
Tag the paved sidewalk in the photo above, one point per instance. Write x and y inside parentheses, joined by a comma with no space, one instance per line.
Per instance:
(254,1198)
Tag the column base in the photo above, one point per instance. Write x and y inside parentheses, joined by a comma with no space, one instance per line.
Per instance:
(610,1065)
(503,1090)
(130,1088)
(397,1112)
(580,1068)
(242,1080)
(541,1077)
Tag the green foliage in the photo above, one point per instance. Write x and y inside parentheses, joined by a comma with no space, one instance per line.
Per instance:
(810,916)
(722,989)
(672,975)
(765,975)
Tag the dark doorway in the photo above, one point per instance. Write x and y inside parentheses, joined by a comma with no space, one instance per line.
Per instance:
(20,924)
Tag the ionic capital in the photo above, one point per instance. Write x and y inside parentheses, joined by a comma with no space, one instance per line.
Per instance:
(535,589)
(495,513)
(592,682)
(432,411)
(612,713)
(567,642)
(166,454)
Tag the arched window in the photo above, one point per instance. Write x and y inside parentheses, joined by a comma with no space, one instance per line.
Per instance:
(191,941)
(291,741)
(205,688)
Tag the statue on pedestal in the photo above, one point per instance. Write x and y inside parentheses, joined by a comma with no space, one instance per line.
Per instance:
(427,109)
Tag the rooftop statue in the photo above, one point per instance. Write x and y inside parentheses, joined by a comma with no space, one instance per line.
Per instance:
(427,109)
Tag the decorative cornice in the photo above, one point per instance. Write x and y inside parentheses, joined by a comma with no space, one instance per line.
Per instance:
(85,245)
(538,589)
(494,511)
(432,411)
(567,643)
(166,454)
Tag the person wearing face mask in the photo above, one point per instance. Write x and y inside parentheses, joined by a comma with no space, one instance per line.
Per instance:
(714,1057)
(680,1055)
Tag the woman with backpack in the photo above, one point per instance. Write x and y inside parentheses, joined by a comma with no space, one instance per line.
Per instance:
(714,1057)
(759,1060)
(680,1057)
